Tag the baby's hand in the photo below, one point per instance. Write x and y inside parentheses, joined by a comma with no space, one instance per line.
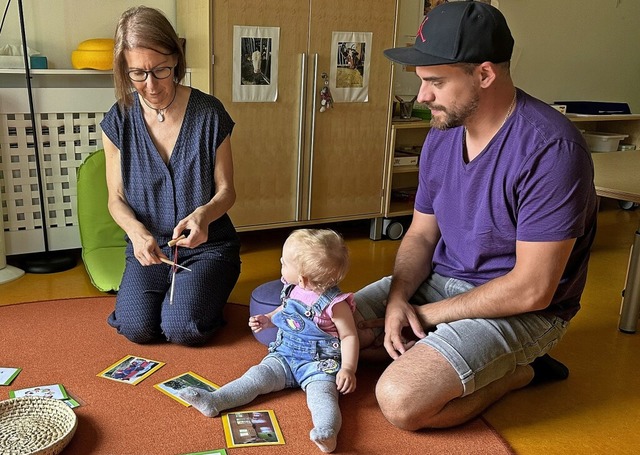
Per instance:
(346,380)
(259,322)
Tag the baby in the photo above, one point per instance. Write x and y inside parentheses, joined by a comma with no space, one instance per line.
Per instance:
(316,347)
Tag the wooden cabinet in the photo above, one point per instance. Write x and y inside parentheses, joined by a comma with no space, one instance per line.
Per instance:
(293,164)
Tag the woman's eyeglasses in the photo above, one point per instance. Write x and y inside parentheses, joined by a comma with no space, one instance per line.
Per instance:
(161,72)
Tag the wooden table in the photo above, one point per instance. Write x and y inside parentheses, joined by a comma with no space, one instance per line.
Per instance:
(617,176)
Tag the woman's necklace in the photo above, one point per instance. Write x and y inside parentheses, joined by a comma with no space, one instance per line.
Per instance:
(160,112)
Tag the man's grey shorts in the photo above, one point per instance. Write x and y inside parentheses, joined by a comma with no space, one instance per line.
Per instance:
(480,350)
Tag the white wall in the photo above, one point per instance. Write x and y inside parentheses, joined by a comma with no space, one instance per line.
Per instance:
(577,49)
(56,27)
(565,49)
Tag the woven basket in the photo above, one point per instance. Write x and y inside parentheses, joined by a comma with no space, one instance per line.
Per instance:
(35,425)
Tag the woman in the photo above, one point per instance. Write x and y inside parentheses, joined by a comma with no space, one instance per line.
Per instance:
(169,173)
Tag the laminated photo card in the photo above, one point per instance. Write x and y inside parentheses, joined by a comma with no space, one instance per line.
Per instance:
(209,452)
(71,402)
(251,428)
(7,375)
(131,369)
(56,391)
(171,386)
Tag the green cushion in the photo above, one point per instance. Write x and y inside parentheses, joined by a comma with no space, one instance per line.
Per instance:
(102,240)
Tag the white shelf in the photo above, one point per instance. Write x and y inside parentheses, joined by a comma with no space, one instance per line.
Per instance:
(61,71)
(602,118)
(54,72)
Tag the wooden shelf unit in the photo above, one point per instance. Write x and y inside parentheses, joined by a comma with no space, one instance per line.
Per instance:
(624,124)
(403,135)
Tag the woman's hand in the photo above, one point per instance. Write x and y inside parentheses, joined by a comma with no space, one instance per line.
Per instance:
(146,249)
(198,226)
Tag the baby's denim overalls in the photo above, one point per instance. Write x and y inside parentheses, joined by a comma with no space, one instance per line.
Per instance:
(306,352)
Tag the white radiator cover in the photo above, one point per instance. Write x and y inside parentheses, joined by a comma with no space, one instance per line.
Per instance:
(68,130)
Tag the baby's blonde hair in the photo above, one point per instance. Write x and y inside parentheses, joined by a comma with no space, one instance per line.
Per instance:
(320,255)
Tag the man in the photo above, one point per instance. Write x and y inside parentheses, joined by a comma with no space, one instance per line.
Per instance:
(494,263)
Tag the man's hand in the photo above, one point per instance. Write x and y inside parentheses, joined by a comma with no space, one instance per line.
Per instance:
(399,315)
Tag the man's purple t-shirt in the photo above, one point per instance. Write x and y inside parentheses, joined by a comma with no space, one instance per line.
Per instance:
(533,182)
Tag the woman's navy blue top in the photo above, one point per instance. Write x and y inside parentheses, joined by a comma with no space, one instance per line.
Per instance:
(161,194)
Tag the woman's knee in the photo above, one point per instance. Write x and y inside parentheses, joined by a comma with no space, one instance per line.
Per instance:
(139,333)
(189,331)
(187,335)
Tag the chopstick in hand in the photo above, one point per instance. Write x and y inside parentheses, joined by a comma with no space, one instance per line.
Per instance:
(167,261)
(171,243)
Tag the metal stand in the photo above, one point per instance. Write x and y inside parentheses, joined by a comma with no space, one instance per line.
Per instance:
(49,261)
(10,273)
(630,310)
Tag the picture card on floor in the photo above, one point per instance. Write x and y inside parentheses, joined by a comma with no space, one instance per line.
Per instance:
(131,369)
(71,402)
(171,386)
(7,375)
(251,428)
(56,391)
(209,452)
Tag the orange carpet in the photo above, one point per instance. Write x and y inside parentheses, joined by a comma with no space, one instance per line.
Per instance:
(69,342)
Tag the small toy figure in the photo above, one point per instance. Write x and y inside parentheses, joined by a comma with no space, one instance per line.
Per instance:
(326,100)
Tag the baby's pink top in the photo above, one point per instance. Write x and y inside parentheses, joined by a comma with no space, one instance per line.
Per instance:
(323,321)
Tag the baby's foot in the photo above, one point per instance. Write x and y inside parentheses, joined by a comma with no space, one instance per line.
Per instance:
(326,439)
(200,399)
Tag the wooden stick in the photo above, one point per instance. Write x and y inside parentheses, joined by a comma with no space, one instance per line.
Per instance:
(171,243)
(167,261)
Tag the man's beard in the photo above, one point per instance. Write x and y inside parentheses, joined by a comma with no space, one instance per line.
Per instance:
(456,116)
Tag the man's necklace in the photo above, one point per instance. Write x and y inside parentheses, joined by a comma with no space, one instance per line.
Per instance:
(506,117)
(160,112)
(510,110)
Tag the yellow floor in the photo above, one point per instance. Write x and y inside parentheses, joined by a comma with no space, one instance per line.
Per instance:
(596,411)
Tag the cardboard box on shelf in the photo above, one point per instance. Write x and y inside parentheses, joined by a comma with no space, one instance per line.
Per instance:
(406,157)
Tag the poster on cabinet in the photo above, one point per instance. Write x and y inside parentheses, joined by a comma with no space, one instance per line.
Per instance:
(349,78)
(255,64)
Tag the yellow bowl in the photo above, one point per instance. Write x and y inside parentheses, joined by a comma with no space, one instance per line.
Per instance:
(96,54)
(97,44)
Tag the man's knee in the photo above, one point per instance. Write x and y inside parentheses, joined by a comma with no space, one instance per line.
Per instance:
(397,404)
(415,389)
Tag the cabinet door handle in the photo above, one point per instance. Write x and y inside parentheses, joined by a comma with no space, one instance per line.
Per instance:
(301,118)
(313,132)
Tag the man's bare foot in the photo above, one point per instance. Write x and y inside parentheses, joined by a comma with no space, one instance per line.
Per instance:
(366,336)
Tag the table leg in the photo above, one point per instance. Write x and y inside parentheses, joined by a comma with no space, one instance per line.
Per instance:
(630,310)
